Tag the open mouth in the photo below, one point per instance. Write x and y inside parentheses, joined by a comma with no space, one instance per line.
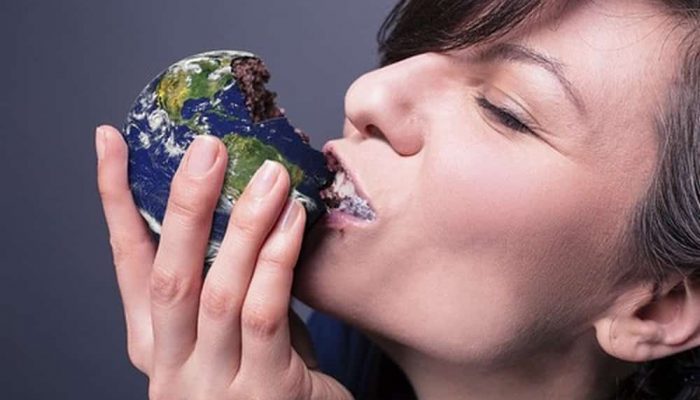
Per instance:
(341,195)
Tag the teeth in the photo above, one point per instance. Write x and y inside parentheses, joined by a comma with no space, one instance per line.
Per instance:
(343,186)
(348,201)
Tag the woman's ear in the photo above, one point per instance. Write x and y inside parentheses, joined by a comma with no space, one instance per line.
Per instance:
(639,327)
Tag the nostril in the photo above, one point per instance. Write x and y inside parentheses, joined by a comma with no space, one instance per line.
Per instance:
(373,130)
(405,140)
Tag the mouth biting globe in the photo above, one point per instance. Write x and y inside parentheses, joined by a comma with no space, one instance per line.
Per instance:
(218,93)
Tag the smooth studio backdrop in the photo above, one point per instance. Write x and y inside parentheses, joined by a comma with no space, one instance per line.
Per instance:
(67,66)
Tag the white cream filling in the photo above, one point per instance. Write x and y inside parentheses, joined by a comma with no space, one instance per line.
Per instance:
(350,201)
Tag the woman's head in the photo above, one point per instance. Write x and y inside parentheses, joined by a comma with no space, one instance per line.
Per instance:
(533,169)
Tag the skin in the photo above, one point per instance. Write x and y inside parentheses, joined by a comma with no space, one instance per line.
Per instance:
(487,272)
(228,337)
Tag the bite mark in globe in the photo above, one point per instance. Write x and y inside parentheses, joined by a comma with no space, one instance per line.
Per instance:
(341,194)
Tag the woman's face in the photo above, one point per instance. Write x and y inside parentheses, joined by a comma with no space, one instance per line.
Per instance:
(493,232)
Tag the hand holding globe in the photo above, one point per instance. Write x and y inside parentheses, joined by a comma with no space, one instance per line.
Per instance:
(190,150)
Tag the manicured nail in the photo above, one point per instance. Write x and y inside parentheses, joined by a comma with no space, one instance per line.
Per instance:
(290,215)
(100,142)
(203,154)
(264,178)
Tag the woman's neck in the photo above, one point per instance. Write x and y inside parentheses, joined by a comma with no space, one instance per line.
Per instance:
(581,372)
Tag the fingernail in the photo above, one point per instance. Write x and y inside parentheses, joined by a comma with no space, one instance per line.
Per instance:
(290,215)
(264,178)
(100,142)
(203,154)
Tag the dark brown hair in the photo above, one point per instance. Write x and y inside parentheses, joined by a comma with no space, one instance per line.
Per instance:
(663,236)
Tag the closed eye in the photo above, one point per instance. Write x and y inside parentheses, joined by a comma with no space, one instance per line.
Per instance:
(503,116)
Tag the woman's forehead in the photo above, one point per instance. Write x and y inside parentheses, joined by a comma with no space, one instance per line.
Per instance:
(613,54)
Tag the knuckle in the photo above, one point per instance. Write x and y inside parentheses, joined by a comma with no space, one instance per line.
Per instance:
(111,193)
(138,355)
(169,288)
(260,323)
(158,390)
(105,191)
(273,260)
(191,200)
(187,205)
(125,250)
(244,222)
(121,252)
(137,360)
(218,303)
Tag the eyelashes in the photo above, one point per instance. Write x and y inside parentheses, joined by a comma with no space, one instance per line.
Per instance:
(503,116)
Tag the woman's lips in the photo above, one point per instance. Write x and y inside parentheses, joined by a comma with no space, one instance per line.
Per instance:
(343,196)
(338,219)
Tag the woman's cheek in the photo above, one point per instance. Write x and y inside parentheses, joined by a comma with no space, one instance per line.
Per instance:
(525,227)
(487,198)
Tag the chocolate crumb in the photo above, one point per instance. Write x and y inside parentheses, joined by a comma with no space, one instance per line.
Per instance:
(251,76)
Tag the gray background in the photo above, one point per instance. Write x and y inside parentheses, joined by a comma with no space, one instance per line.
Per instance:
(67,66)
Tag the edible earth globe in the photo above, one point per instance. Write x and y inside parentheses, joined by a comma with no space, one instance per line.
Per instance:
(218,93)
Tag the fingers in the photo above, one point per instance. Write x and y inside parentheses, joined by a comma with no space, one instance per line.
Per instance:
(177,268)
(241,326)
(252,218)
(132,246)
(266,345)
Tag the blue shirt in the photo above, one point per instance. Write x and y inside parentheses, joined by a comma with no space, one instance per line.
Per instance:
(348,356)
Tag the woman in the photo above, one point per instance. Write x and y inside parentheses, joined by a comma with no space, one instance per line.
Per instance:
(533,168)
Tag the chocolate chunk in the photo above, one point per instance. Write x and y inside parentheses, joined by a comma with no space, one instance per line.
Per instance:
(251,76)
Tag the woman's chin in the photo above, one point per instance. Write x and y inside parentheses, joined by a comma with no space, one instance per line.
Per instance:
(322,264)
(334,260)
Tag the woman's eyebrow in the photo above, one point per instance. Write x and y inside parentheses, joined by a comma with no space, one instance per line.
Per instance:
(523,54)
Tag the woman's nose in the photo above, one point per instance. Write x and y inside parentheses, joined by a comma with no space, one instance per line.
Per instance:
(389,103)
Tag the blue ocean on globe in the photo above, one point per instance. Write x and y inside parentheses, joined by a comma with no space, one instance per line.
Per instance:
(199,96)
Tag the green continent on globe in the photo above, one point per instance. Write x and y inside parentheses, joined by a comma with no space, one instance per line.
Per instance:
(245,156)
(199,78)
